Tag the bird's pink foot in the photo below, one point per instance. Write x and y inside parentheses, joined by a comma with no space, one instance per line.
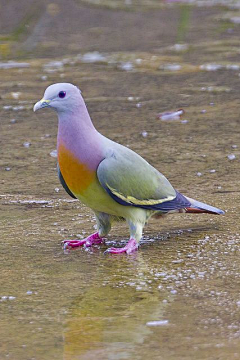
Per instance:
(89,241)
(131,246)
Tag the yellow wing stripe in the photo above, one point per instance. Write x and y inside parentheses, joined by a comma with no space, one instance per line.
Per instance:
(133,200)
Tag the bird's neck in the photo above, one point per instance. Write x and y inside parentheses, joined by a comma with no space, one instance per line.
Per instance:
(77,134)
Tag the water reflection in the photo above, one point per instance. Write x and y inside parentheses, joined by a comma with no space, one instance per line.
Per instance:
(109,319)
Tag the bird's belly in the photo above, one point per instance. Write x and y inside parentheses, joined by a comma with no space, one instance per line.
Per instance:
(98,199)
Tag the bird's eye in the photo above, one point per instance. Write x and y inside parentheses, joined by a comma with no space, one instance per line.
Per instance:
(62,94)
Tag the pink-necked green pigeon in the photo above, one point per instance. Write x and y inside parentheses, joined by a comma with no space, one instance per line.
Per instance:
(114,181)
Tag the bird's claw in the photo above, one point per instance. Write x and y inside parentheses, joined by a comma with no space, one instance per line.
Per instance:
(93,239)
(130,248)
(67,244)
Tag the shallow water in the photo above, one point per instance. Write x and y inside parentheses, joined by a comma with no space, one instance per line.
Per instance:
(178,297)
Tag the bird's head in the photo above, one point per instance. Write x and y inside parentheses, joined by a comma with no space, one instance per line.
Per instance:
(61,97)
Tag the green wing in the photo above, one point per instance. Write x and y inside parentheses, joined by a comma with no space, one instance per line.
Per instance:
(131,180)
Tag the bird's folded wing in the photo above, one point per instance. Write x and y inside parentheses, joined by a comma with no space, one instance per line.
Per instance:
(131,181)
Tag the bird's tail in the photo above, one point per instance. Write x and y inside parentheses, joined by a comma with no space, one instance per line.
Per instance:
(199,207)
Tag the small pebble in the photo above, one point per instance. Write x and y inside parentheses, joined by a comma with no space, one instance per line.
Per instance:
(26,144)
(171,115)
(15,95)
(12,121)
(92,57)
(212,171)
(3,298)
(199,174)
(57,189)
(231,157)
(144,134)
(7,168)
(127,66)
(17,108)
(138,61)
(138,105)
(53,153)
(171,67)
(157,323)
(177,261)
(211,67)
(29,292)
(234,146)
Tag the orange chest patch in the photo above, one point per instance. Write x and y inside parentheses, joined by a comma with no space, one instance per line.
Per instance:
(77,175)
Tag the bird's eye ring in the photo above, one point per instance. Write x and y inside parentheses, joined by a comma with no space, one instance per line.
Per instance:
(62,94)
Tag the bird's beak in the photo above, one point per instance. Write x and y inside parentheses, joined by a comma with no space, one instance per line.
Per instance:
(41,104)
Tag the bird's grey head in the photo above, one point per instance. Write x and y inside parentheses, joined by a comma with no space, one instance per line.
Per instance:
(61,97)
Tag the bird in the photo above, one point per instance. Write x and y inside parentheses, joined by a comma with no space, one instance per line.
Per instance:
(111,179)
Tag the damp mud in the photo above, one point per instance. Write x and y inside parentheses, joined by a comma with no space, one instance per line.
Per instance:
(178,297)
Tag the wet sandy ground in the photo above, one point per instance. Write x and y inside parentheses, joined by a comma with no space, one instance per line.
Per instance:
(178,297)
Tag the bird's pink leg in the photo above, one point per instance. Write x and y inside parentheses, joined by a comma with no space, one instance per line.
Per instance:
(89,241)
(131,246)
